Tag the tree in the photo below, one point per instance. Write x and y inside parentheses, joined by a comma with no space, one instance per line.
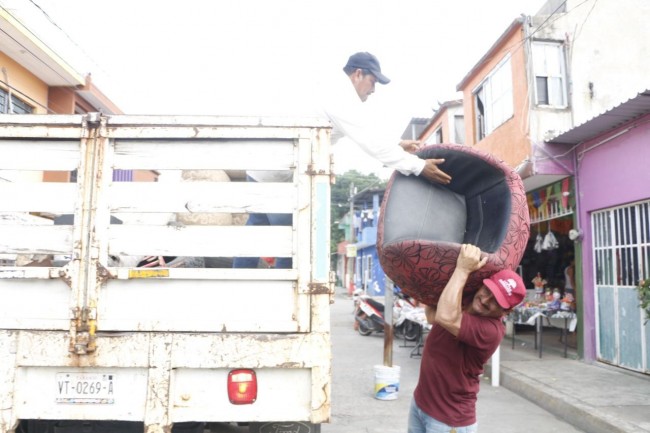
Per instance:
(340,201)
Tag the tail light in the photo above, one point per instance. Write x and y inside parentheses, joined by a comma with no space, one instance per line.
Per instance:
(242,386)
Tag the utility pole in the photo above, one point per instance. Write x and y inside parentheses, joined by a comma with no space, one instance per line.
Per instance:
(352,231)
(351,259)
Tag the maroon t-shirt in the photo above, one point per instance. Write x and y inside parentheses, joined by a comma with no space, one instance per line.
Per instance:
(450,369)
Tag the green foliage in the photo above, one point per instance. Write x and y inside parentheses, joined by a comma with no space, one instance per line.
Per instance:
(340,201)
(643,290)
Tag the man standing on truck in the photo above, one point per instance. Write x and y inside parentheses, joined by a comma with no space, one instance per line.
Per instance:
(460,342)
(344,108)
(342,104)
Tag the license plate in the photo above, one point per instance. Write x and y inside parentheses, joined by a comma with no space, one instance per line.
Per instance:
(85,388)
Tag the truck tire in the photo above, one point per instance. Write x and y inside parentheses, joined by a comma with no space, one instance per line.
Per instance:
(274,426)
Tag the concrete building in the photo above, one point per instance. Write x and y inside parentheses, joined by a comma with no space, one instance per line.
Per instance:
(613,229)
(574,63)
(447,125)
(39,75)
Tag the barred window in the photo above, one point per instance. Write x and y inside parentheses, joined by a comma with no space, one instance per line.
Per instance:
(622,245)
(17,106)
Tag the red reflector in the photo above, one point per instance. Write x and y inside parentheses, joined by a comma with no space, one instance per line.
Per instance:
(242,386)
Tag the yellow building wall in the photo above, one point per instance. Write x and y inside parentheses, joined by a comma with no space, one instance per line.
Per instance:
(24,83)
(61,100)
(509,141)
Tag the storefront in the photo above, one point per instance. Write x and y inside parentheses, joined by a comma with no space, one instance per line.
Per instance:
(550,250)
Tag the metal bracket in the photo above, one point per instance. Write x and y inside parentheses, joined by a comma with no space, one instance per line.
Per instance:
(103,274)
(64,275)
(92,119)
(313,172)
(320,289)
(84,325)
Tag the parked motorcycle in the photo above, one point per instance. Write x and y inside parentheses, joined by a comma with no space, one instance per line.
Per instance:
(369,315)
(404,309)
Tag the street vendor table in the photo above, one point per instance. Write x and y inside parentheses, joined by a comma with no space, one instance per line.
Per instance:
(417,316)
(540,317)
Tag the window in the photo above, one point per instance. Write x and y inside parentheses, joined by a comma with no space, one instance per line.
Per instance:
(437,135)
(459,129)
(368,269)
(17,106)
(548,66)
(493,100)
(622,245)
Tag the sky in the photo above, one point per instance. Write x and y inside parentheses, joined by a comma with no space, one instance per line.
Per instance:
(265,57)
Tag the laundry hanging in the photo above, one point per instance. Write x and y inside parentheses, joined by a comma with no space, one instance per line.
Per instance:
(550,242)
(538,243)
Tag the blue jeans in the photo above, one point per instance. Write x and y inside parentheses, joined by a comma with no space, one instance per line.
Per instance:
(420,422)
(261,219)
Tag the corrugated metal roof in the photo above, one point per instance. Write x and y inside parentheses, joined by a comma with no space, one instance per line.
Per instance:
(415,128)
(623,113)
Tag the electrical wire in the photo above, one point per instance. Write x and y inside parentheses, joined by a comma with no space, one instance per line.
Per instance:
(27,50)
(578,32)
(81,49)
(69,90)
(517,45)
(27,97)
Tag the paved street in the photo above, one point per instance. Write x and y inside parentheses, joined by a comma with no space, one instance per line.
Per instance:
(355,410)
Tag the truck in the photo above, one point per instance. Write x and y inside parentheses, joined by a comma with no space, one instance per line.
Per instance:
(92,341)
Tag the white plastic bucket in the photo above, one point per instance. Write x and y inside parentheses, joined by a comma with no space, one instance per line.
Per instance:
(386,382)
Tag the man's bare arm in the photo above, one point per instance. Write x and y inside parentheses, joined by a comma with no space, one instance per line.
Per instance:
(449,311)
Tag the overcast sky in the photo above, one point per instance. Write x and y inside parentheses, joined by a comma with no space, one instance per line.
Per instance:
(263,57)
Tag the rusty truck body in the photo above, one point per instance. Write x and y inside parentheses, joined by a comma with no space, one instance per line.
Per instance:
(87,338)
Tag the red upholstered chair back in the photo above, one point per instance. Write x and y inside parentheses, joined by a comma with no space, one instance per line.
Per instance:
(422,224)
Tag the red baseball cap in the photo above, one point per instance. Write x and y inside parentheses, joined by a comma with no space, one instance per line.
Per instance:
(507,287)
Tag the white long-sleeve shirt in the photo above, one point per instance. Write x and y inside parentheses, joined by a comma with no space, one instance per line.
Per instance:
(350,118)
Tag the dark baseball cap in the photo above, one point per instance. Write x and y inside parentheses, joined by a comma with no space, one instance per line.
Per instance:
(368,62)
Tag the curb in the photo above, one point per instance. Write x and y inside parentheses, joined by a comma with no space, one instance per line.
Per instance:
(579,415)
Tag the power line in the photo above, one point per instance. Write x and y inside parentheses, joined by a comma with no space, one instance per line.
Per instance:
(32,53)
(518,44)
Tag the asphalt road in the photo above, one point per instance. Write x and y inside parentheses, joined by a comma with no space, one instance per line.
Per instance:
(356,410)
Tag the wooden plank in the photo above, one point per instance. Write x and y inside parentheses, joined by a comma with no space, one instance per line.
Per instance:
(62,121)
(52,197)
(203,132)
(225,155)
(182,197)
(201,122)
(198,305)
(35,239)
(260,274)
(50,155)
(201,241)
(42,304)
